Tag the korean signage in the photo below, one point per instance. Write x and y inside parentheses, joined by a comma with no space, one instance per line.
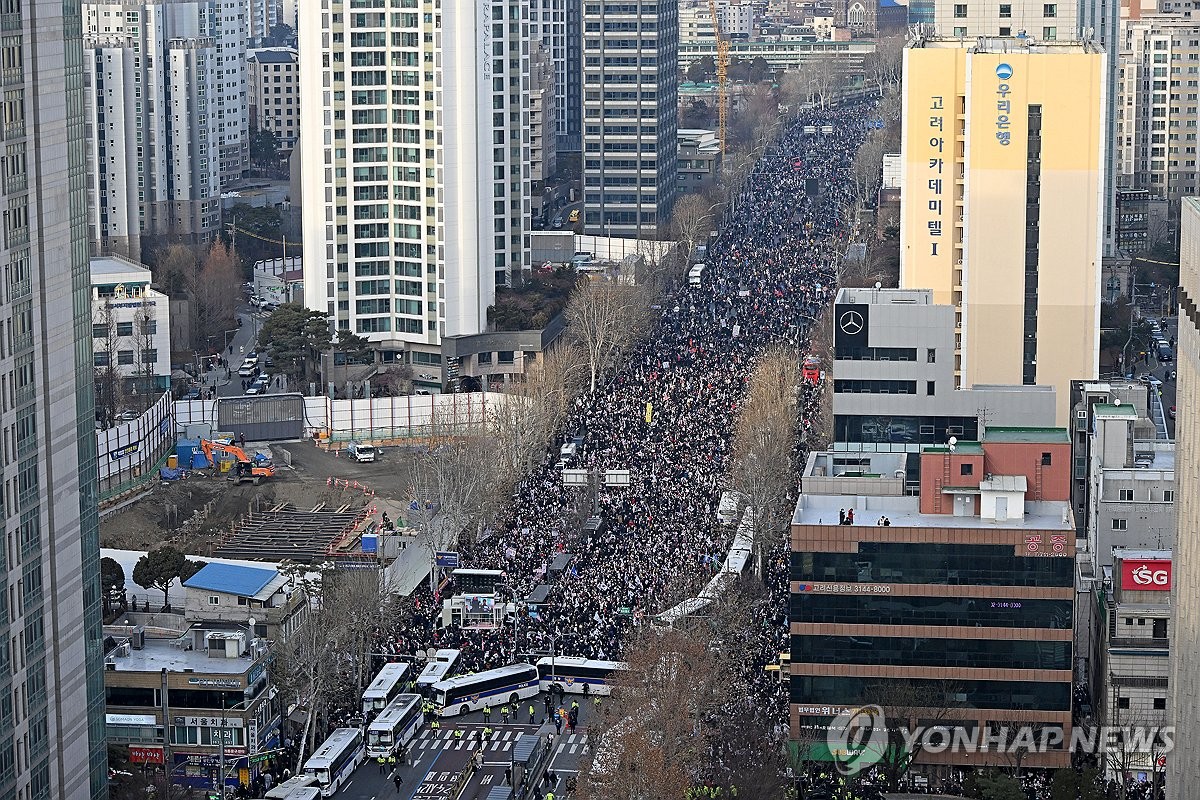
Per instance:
(1045,544)
(1146,575)
(846,588)
(145,754)
(221,683)
(125,451)
(824,711)
(934,217)
(208,722)
(1004,73)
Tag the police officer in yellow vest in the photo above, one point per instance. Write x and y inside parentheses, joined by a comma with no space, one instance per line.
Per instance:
(381,761)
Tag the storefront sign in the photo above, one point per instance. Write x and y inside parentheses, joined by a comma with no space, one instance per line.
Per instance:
(208,722)
(846,588)
(1146,575)
(224,683)
(145,754)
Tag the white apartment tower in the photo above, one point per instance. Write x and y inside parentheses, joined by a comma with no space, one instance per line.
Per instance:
(630,116)
(415,140)
(166,105)
(1156,120)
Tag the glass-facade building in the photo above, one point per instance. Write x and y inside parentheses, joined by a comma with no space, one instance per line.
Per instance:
(52,741)
(964,599)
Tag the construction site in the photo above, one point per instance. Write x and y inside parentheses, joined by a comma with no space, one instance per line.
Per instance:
(313,505)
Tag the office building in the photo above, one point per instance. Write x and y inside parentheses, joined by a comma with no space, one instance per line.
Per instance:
(274,78)
(131,325)
(418,205)
(894,388)
(1024,283)
(965,595)
(1183,781)
(785,53)
(630,118)
(699,159)
(543,122)
(52,741)
(548,26)
(695,22)
(166,99)
(1137,647)
(572,142)
(1037,20)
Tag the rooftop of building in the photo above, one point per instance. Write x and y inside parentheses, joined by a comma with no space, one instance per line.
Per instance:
(258,583)
(1000,45)
(904,512)
(866,464)
(1026,435)
(1114,411)
(960,448)
(273,55)
(1141,555)
(872,296)
(160,654)
(106,269)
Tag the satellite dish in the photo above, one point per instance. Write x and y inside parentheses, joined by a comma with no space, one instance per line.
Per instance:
(953,441)
(1117,402)
(878,285)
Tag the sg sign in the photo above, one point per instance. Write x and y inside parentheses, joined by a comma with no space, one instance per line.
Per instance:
(1146,575)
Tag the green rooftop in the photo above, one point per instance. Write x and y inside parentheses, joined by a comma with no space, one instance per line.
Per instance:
(1113,410)
(960,448)
(1003,435)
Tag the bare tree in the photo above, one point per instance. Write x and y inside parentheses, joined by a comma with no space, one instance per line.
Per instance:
(886,64)
(605,319)
(907,706)
(532,412)
(145,328)
(111,392)
(215,294)
(867,171)
(763,444)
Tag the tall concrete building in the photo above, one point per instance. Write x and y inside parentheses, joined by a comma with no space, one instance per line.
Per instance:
(166,102)
(52,720)
(274,80)
(548,26)
(415,137)
(1003,213)
(1183,779)
(1157,112)
(630,117)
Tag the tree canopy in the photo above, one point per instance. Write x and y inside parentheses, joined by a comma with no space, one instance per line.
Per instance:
(158,568)
(295,337)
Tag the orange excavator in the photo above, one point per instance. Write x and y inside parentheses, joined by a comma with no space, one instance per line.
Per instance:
(245,469)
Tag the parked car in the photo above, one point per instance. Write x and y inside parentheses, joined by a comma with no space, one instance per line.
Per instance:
(557,222)
(574,217)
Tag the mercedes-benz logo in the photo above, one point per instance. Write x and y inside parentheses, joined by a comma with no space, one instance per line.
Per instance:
(851,322)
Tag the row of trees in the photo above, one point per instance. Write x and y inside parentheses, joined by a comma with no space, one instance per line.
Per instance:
(157,569)
(210,281)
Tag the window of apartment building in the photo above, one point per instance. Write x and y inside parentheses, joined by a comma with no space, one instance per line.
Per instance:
(1006,11)
(966,469)
(929,387)
(1045,459)
(124,329)
(124,356)
(1120,525)
(932,356)
(960,10)
(1160,703)
(1049,34)
(214,600)
(1168,495)
(1126,495)
(1050,9)
(960,32)
(1159,628)
(1122,702)
(1006,31)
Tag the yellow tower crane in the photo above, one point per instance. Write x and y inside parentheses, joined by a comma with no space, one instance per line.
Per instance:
(722,73)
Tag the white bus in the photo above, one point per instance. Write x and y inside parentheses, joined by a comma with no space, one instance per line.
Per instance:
(438,669)
(336,759)
(576,675)
(395,726)
(493,687)
(391,681)
(285,789)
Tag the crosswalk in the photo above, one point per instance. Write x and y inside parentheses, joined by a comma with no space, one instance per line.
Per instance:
(500,741)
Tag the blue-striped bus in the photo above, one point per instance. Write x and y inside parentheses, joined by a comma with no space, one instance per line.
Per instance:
(576,675)
(391,681)
(336,759)
(494,687)
(439,668)
(395,726)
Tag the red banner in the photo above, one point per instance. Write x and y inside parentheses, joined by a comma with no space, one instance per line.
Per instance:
(145,754)
(1145,575)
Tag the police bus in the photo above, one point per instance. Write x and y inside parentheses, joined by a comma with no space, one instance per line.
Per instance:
(394,727)
(440,667)
(335,761)
(292,788)
(493,687)
(576,675)
(391,681)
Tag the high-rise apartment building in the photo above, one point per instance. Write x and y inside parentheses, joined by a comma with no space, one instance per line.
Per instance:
(52,736)
(274,79)
(630,116)
(166,92)
(1003,213)
(415,140)
(1183,703)
(548,26)
(1156,118)
(572,142)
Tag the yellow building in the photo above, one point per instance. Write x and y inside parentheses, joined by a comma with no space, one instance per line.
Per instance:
(1002,209)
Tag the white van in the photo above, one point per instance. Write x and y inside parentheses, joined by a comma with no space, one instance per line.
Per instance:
(695,274)
(361,452)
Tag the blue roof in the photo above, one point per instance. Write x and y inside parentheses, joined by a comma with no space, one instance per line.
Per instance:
(232,579)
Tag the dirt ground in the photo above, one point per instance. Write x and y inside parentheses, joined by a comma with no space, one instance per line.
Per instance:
(192,514)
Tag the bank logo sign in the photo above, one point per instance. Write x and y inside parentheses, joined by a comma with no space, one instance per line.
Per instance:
(1004,71)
